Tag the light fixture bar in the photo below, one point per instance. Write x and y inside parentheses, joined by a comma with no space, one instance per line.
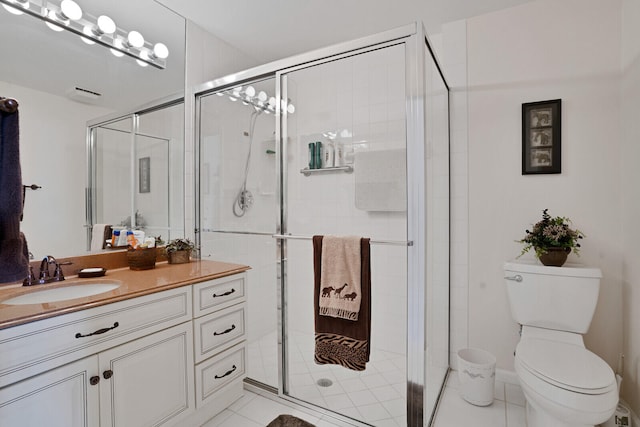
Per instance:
(259,101)
(118,41)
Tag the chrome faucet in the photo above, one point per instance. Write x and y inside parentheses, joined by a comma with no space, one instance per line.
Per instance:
(45,275)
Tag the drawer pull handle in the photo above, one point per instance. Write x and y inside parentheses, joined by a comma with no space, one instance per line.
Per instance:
(107,374)
(229,372)
(94,380)
(99,331)
(225,294)
(215,334)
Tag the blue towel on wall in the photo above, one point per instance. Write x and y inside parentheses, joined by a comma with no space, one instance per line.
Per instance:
(14,263)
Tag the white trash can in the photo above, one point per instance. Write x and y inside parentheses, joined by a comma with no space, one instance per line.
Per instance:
(476,375)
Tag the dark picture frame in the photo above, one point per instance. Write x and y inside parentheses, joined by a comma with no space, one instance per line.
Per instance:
(144,175)
(541,133)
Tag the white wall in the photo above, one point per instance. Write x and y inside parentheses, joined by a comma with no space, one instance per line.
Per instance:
(52,139)
(630,153)
(538,51)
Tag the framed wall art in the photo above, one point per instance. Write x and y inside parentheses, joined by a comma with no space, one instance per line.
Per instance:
(541,144)
(144,177)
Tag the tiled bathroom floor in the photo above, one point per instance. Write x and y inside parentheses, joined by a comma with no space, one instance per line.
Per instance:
(254,410)
(376,396)
(507,409)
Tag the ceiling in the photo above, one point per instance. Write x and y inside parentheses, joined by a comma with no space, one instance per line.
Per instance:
(264,30)
(273,29)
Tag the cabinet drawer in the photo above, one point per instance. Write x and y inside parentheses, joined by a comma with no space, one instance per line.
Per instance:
(215,373)
(218,294)
(217,331)
(36,347)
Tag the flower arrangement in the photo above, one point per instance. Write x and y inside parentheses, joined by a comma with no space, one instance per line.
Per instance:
(552,234)
(176,245)
(179,250)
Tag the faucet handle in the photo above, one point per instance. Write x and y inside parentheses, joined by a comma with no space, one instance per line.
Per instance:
(30,280)
(58,275)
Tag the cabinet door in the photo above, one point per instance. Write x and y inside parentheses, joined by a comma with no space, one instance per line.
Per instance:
(61,397)
(149,381)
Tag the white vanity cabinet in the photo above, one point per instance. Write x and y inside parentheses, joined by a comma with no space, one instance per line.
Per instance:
(61,397)
(129,363)
(219,309)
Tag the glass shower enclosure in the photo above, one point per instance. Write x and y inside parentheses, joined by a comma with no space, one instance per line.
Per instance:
(378,107)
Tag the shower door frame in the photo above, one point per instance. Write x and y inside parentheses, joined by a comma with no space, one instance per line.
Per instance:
(412,37)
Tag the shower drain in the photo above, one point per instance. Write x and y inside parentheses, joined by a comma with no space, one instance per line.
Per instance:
(324,382)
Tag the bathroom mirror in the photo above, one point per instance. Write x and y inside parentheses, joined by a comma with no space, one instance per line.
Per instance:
(61,83)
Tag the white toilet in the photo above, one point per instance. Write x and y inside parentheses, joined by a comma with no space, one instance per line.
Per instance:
(565,384)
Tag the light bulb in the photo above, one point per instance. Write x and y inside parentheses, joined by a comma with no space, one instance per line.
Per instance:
(135,39)
(160,50)
(118,43)
(71,10)
(272,102)
(143,55)
(16,11)
(53,15)
(106,25)
(262,96)
(88,31)
(291,109)
(250,91)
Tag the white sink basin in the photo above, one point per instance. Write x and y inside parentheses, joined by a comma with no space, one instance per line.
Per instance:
(71,290)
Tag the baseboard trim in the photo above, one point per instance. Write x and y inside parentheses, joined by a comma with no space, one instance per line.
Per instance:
(507,377)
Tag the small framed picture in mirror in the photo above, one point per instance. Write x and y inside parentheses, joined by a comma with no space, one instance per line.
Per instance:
(144,178)
(541,145)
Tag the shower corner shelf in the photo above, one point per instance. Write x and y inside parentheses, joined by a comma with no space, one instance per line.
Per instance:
(345,169)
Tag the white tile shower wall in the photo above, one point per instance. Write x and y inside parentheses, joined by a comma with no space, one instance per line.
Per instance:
(207,58)
(361,98)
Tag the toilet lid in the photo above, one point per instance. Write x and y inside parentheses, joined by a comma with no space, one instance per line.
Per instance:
(568,366)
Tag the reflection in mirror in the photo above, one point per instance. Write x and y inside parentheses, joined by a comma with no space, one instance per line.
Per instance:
(136,174)
(42,69)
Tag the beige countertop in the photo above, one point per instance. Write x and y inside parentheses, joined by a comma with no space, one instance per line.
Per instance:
(134,284)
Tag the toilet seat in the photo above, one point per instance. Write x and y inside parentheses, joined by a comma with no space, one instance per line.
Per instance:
(567,366)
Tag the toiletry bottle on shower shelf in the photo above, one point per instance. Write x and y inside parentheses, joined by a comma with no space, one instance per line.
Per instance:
(318,148)
(338,155)
(312,155)
(328,154)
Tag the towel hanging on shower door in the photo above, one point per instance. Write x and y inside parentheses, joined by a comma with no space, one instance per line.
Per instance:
(339,341)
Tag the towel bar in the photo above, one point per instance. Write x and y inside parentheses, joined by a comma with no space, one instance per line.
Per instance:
(375,242)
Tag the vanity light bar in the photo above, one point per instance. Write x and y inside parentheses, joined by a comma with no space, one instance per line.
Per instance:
(101,30)
(260,101)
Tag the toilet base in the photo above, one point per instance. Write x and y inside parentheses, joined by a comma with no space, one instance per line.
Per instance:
(538,418)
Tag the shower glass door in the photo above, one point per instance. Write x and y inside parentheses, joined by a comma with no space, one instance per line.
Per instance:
(354,106)
(238,206)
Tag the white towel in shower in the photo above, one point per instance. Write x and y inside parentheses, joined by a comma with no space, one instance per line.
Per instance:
(340,292)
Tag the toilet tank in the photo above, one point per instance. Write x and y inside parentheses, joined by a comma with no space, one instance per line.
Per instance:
(560,298)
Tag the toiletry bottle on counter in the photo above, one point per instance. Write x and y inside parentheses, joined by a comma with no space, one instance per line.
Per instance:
(131,240)
(115,236)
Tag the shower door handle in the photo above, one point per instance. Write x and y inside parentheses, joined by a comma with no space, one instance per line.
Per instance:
(516,278)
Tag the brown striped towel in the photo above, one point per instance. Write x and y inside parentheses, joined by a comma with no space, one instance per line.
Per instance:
(339,341)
